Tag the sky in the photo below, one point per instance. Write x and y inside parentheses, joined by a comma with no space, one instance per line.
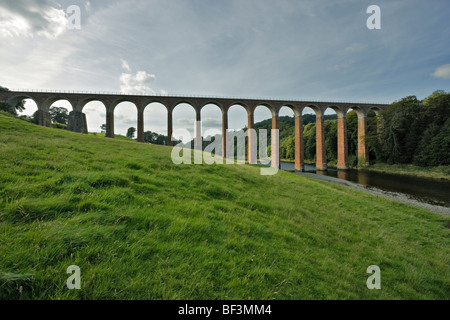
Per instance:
(287,49)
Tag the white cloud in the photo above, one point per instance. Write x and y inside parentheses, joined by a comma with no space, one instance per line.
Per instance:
(29,18)
(125,65)
(355,47)
(137,84)
(442,72)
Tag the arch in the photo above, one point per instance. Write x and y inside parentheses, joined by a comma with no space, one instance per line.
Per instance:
(83,102)
(260,107)
(147,102)
(214,125)
(184,117)
(211,116)
(360,111)
(52,100)
(155,120)
(95,113)
(376,109)
(291,107)
(241,104)
(118,101)
(212,102)
(125,116)
(14,100)
(339,110)
(237,118)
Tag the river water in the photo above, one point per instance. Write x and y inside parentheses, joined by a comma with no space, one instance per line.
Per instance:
(430,191)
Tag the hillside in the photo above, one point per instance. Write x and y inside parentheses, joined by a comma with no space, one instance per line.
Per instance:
(140,227)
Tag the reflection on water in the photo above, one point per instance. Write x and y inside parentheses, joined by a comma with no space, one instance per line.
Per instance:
(429,191)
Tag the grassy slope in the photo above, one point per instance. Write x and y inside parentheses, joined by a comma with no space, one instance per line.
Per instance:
(140,227)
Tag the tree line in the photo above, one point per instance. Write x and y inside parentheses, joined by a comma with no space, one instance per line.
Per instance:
(409,131)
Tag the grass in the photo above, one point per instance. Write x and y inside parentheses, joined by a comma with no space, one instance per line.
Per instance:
(441,172)
(140,227)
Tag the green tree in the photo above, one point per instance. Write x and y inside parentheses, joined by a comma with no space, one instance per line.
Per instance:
(435,94)
(20,106)
(59,115)
(130,132)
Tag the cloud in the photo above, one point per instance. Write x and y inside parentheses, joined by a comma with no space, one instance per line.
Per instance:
(186,122)
(442,72)
(211,123)
(137,84)
(25,18)
(355,47)
(125,65)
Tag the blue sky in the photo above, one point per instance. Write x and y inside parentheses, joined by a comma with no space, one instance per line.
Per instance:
(250,48)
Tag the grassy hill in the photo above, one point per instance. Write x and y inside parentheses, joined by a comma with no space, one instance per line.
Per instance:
(140,227)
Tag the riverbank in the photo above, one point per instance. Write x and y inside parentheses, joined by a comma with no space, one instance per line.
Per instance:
(385,194)
(437,173)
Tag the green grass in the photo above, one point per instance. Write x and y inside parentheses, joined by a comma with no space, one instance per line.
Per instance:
(441,172)
(117,136)
(140,227)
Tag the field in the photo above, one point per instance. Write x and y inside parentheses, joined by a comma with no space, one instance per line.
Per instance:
(141,227)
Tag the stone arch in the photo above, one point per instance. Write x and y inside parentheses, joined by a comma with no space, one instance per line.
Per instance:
(186,120)
(118,101)
(212,102)
(125,113)
(85,112)
(156,113)
(83,102)
(14,100)
(148,102)
(50,101)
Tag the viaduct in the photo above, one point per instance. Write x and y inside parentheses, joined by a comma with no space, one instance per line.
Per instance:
(77,119)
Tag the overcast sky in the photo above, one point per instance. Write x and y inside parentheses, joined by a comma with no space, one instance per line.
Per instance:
(317,49)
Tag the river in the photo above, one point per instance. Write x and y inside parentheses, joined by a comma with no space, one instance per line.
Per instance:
(429,191)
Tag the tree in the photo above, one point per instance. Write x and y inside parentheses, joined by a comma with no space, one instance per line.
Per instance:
(435,94)
(59,115)
(130,132)
(20,106)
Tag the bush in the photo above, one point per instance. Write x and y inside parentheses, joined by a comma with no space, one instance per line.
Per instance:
(58,125)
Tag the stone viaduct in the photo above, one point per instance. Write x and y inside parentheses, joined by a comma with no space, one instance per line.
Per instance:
(77,119)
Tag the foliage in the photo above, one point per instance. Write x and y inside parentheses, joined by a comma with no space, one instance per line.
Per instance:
(417,133)
(58,125)
(130,132)
(59,115)
(156,138)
